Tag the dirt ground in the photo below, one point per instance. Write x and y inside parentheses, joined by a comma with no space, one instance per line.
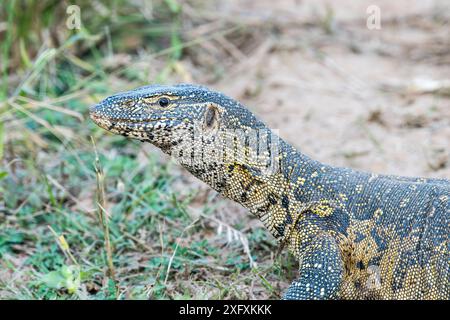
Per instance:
(374,100)
(355,97)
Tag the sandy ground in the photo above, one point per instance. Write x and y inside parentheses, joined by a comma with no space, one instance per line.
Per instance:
(354,97)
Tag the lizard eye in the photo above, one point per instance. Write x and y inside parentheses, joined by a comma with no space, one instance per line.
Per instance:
(163,102)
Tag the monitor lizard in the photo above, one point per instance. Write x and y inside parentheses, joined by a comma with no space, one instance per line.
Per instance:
(356,235)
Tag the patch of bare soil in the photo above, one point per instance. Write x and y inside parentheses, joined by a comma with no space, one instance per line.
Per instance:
(375,100)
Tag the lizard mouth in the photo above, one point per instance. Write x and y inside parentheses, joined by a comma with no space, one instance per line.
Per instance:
(97,118)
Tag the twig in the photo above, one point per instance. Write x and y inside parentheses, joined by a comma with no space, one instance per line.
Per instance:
(63,245)
(176,248)
(102,213)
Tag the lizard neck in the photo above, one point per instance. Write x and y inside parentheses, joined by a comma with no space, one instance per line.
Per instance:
(276,183)
(280,198)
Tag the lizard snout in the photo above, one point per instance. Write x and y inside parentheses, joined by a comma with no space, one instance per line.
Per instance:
(94,109)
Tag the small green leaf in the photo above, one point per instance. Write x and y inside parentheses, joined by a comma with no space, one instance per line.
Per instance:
(66,277)
(173,5)
(54,279)
(176,45)
(2,138)
(24,54)
(112,289)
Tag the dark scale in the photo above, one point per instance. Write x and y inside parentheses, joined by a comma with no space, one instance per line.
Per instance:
(285,201)
(289,219)
(272,199)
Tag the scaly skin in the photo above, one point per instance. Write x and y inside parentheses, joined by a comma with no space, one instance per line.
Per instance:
(356,235)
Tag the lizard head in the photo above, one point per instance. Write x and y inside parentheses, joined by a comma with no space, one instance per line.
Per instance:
(206,128)
(168,115)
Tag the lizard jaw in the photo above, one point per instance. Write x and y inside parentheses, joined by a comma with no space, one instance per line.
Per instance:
(147,130)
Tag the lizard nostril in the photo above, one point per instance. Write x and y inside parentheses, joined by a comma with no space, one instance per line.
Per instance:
(130,103)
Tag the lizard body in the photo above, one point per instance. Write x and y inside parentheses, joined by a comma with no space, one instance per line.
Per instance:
(356,235)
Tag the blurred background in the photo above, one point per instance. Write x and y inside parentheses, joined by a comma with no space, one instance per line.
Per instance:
(88,215)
